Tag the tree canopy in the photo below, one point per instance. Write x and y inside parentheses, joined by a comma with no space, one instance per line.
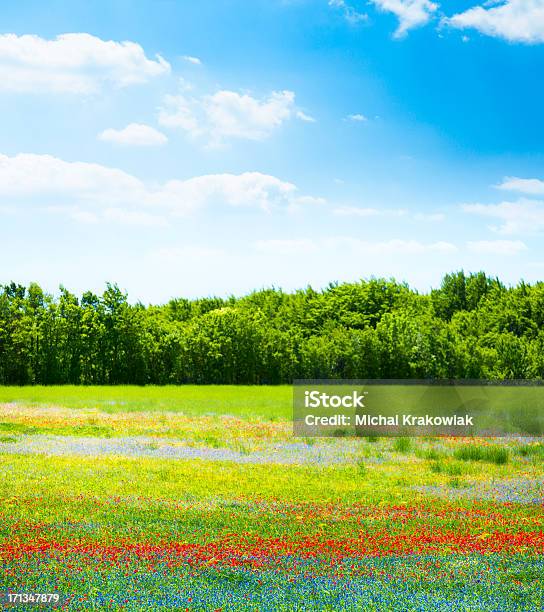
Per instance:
(471,327)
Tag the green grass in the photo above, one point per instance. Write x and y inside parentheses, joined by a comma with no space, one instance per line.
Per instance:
(244,401)
(8,439)
(430,454)
(402,445)
(490,454)
(18,428)
(535,451)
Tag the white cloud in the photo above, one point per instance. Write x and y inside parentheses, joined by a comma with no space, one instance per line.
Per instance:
(29,175)
(180,112)
(304,117)
(134,134)
(191,59)
(351,15)
(520,217)
(513,20)
(82,189)
(497,247)
(358,117)
(228,114)
(410,13)
(73,63)
(528,186)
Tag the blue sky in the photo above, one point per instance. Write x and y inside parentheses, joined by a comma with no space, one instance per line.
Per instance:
(215,147)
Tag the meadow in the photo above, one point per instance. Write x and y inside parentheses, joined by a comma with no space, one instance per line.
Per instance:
(200,498)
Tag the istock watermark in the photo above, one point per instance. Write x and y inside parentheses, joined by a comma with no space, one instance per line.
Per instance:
(418,408)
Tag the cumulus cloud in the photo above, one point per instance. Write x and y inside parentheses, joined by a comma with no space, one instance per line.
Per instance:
(29,175)
(76,63)
(228,114)
(497,247)
(523,216)
(84,189)
(410,13)
(528,186)
(513,20)
(134,134)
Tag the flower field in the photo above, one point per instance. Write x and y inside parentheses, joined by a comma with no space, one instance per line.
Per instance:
(123,499)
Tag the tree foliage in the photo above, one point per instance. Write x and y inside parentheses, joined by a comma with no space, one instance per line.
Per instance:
(471,327)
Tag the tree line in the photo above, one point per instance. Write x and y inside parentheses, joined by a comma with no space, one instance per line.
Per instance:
(472,326)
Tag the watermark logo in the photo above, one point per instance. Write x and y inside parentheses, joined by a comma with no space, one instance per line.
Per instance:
(417,408)
(321,399)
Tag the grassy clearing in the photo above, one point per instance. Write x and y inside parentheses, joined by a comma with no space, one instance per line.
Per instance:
(244,401)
